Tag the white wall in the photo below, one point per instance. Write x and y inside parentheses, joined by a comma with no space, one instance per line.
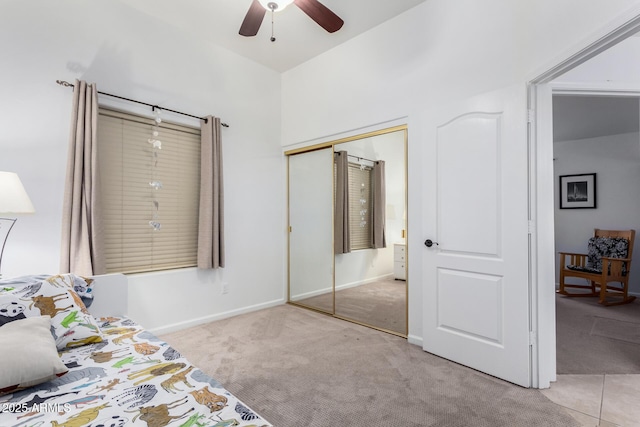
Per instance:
(616,161)
(130,54)
(605,68)
(435,53)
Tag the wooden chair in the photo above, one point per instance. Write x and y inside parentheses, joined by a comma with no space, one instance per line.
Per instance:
(608,261)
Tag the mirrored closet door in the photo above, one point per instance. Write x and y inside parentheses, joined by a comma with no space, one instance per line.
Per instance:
(310,229)
(363,228)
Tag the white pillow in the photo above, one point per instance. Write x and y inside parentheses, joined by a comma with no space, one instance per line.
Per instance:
(29,354)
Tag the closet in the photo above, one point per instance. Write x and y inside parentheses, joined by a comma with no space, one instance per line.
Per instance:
(347,228)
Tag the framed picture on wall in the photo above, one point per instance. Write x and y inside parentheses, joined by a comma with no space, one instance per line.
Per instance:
(578,191)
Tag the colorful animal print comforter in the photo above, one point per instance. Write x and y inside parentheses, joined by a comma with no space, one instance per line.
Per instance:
(130,379)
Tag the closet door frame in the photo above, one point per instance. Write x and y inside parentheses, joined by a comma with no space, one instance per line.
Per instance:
(331,144)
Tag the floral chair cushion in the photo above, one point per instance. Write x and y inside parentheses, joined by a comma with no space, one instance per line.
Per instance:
(598,247)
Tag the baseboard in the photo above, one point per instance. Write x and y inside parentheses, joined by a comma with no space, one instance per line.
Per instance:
(415,340)
(363,282)
(339,287)
(311,294)
(206,319)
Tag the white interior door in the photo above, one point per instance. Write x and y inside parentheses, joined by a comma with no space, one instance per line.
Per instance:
(476,290)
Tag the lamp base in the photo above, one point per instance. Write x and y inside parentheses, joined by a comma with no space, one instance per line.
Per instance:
(6,224)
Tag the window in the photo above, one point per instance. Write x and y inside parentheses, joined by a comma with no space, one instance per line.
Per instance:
(126,169)
(360,206)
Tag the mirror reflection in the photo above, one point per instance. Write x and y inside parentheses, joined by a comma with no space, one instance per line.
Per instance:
(310,232)
(347,216)
(370,224)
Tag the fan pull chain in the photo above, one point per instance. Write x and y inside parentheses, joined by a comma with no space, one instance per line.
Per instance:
(272,37)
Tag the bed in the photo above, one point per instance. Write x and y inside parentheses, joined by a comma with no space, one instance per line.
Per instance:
(64,364)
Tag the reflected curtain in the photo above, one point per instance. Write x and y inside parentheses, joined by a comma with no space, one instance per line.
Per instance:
(379,204)
(211,252)
(342,236)
(81,250)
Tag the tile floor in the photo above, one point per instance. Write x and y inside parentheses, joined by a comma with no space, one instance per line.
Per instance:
(598,400)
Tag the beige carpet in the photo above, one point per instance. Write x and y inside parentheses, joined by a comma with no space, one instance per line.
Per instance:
(382,304)
(300,368)
(594,339)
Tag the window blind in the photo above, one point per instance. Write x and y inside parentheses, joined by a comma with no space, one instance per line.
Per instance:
(127,166)
(360,212)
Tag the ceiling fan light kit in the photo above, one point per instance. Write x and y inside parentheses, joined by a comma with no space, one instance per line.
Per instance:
(275,5)
(322,15)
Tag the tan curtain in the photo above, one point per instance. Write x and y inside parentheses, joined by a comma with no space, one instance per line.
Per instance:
(81,216)
(211,226)
(379,204)
(342,236)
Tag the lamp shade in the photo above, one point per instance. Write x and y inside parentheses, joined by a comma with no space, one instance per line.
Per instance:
(13,197)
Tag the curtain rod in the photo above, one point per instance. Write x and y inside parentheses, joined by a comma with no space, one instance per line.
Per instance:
(153,107)
(361,158)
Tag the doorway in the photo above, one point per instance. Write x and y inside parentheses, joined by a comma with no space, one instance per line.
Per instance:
(596,135)
(543,186)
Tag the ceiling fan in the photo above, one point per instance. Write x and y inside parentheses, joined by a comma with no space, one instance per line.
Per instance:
(313,8)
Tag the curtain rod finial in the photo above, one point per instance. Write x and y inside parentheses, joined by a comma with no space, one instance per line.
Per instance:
(64,83)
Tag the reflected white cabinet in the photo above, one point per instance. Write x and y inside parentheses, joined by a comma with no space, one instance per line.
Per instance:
(399,261)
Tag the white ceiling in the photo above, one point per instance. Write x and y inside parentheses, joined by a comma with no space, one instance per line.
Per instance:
(298,38)
(581,117)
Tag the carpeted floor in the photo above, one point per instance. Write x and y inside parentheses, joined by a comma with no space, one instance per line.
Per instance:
(299,368)
(382,304)
(594,339)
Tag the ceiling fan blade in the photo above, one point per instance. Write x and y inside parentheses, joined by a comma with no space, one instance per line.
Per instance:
(252,20)
(321,14)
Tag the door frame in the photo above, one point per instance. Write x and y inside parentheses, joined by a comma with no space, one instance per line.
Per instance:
(542,186)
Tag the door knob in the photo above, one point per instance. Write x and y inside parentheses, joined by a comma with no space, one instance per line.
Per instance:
(428,243)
